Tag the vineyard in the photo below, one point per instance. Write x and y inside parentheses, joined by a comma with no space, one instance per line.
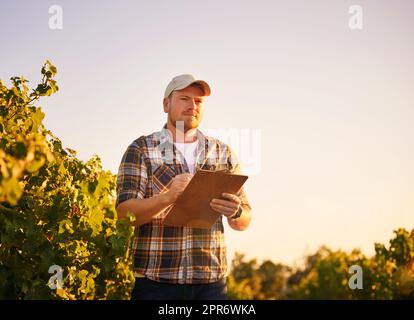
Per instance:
(389,274)
(58,211)
(55,209)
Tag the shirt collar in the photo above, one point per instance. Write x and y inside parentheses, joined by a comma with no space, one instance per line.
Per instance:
(203,150)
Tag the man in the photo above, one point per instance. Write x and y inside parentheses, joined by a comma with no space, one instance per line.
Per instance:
(177,262)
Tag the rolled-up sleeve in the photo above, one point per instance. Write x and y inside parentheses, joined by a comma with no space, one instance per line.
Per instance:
(132,175)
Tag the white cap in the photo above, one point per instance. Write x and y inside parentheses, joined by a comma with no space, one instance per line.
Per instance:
(183,81)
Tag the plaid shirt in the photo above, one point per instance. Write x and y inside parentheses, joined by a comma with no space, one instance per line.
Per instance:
(165,253)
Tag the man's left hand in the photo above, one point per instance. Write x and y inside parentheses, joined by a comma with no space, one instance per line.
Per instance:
(228,206)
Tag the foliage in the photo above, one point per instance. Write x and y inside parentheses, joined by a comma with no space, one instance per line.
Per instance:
(325,275)
(250,281)
(55,209)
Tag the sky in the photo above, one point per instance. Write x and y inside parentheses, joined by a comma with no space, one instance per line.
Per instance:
(320,114)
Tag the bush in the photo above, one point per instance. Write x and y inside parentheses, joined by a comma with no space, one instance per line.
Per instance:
(55,209)
(389,274)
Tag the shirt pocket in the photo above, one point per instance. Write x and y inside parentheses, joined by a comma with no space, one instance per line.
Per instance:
(161,178)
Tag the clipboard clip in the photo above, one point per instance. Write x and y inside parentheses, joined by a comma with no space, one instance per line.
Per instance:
(220,171)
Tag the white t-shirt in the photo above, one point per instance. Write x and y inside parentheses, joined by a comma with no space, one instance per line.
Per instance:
(189,152)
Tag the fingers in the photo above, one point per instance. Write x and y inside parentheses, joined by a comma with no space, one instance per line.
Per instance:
(226,203)
(222,209)
(226,207)
(179,183)
(231,197)
(182,179)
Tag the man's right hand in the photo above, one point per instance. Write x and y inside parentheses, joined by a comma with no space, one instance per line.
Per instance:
(148,208)
(178,184)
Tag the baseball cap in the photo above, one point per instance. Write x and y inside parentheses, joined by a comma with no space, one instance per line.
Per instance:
(183,81)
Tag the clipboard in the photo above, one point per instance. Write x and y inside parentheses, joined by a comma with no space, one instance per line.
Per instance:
(192,207)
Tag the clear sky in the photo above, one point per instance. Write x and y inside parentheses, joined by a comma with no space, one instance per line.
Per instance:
(333,107)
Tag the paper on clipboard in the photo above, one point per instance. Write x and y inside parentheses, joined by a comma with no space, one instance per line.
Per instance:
(192,207)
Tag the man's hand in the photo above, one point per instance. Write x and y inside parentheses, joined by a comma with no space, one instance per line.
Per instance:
(178,184)
(228,207)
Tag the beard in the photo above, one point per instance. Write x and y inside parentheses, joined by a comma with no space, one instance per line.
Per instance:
(185,124)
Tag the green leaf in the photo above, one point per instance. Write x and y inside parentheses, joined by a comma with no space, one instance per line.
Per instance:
(35,165)
(11,190)
(20,150)
(38,117)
